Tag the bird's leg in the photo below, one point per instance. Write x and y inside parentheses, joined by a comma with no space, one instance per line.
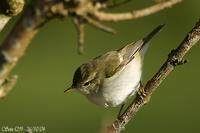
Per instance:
(121,108)
(141,93)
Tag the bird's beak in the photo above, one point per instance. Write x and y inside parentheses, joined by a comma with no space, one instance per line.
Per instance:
(69,89)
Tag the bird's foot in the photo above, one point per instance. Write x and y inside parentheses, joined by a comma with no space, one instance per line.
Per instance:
(142,94)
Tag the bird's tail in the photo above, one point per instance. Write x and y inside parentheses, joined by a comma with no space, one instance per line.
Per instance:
(153,33)
(140,46)
(146,40)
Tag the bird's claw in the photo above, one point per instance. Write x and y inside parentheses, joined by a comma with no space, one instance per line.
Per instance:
(142,94)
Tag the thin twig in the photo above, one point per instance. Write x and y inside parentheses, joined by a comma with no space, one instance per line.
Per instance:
(81,33)
(98,25)
(102,16)
(174,58)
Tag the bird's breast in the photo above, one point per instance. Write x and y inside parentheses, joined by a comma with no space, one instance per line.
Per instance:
(116,89)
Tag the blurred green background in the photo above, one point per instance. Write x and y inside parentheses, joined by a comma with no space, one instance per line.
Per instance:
(51,59)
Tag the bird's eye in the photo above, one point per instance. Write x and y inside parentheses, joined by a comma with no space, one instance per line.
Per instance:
(86,83)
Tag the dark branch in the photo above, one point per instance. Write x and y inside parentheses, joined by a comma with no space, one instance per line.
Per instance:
(135,14)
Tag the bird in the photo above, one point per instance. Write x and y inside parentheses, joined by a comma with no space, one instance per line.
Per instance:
(110,79)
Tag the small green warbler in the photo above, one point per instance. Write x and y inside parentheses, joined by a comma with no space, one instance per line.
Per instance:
(108,80)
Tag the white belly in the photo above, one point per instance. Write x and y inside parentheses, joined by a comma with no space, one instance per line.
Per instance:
(118,88)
